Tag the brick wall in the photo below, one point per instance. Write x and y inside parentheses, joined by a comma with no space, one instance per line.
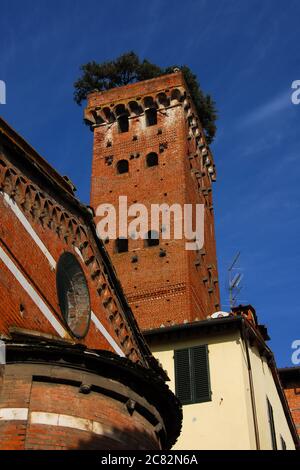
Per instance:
(37,227)
(39,412)
(179,285)
(293,398)
(46,405)
(290,380)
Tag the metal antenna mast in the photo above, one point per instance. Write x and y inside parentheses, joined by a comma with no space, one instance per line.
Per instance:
(234,280)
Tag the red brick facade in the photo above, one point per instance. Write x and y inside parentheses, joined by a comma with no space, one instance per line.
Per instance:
(31,214)
(65,321)
(76,416)
(164,284)
(293,398)
(56,406)
(290,378)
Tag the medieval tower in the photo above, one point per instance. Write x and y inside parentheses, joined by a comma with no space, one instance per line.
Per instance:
(150,147)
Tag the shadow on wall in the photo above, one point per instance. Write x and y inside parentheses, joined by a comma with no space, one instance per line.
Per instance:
(128,439)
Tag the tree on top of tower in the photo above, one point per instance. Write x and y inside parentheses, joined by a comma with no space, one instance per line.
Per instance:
(128,68)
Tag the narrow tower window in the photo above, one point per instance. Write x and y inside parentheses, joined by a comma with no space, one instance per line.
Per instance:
(121,245)
(152,238)
(122,117)
(123,123)
(151,117)
(122,167)
(152,159)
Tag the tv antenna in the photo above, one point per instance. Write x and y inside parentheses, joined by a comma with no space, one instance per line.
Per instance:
(235,277)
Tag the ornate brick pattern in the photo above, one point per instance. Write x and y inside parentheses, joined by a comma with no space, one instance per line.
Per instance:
(62,230)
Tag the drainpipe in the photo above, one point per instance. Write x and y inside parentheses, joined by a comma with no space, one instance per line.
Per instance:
(252,394)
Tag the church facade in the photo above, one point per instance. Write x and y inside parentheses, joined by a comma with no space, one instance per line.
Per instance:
(77,373)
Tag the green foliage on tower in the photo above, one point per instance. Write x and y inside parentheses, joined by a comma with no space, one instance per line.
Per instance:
(128,68)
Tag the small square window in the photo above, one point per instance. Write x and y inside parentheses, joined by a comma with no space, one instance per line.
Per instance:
(121,245)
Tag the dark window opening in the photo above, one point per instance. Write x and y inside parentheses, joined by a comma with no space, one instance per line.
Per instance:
(152,159)
(163,99)
(135,107)
(122,167)
(109,116)
(192,378)
(123,123)
(272,425)
(121,245)
(176,95)
(151,117)
(152,238)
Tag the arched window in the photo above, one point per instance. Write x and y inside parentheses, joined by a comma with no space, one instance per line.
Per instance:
(151,116)
(152,159)
(122,167)
(122,118)
(121,245)
(135,107)
(109,115)
(152,238)
(176,95)
(163,100)
(73,294)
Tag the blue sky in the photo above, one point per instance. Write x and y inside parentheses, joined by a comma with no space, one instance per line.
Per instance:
(245,53)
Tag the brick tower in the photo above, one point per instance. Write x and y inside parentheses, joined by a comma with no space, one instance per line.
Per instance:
(149,146)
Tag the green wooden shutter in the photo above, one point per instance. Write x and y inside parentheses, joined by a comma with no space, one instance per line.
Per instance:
(192,381)
(201,379)
(183,376)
